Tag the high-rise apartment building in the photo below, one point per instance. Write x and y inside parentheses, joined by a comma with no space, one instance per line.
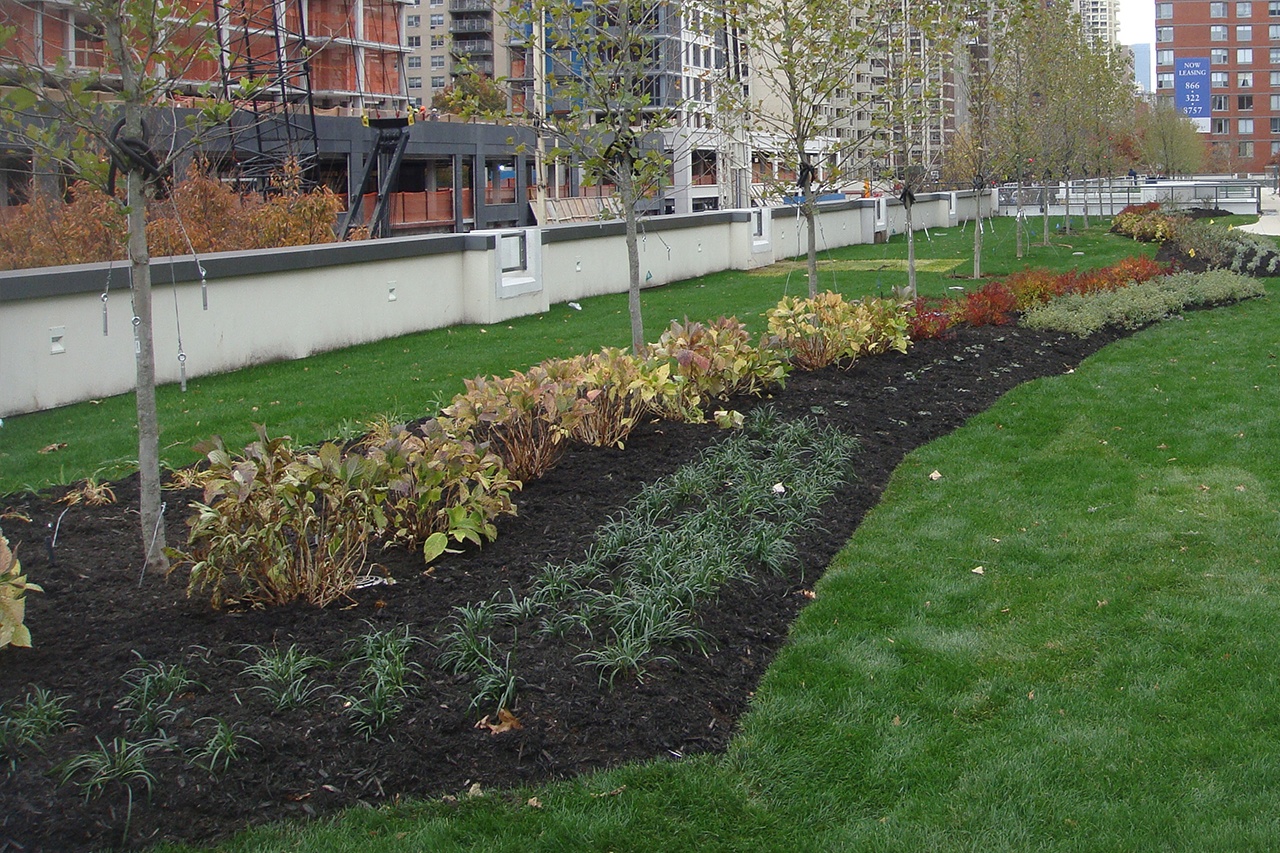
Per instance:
(1239,40)
(1100,19)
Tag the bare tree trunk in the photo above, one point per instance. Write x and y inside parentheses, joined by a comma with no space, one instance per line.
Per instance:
(909,292)
(1044,211)
(977,242)
(1066,198)
(153,537)
(626,184)
(810,219)
(1018,219)
(1086,201)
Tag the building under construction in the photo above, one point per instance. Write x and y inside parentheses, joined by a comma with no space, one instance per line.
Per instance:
(329,95)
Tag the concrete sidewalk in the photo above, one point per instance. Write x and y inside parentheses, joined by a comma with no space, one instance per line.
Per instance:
(1269,223)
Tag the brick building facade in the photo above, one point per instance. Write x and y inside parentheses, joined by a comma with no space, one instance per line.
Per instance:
(1241,41)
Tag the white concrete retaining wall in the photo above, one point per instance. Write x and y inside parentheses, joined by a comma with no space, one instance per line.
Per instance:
(268,305)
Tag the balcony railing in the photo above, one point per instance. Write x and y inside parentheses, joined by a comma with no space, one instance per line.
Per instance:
(470,5)
(473,46)
(471,25)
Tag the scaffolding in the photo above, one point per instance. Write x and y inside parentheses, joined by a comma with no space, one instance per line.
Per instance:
(265,41)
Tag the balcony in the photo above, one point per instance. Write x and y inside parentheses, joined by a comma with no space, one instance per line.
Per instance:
(470,6)
(471,47)
(471,25)
(479,66)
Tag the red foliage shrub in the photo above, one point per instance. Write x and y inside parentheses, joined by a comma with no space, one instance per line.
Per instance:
(1141,209)
(990,305)
(1035,286)
(929,319)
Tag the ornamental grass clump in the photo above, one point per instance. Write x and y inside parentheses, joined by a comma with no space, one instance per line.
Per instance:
(153,686)
(825,329)
(284,677)
(40,716)
(383,658)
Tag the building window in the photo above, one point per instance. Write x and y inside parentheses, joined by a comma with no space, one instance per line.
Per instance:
(1273,8)
(1244,10)
(1244,126)
(1244,55)
(1245,79)
(1275,125)
(1273,32)
(412,20)
(1218,32)
(414,62)
(1244,103)
(437,2)
(1164,57)
(1275,104)
(413,41)
(1245,149)
(415,82)
(1217,55)
(1221,125)
(437,41)
(1218,103)
(437,82)
(1275,79)
(1218,80)
(1164,81)
(1275,147)
(1164,11)
(1217,10)
(437,62)
(437,21)
(1244,33)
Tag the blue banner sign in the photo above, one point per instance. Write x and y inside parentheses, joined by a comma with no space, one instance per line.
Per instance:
(1191,89)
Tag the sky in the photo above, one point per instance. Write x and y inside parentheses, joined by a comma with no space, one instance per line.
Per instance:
(1137,21)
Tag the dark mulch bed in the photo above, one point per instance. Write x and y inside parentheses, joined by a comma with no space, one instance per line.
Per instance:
(96,616)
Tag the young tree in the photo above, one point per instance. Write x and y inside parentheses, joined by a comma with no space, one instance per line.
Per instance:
(796,95)
(604,101)
(983,56)
(914,46)
(1170,143)
(115,117)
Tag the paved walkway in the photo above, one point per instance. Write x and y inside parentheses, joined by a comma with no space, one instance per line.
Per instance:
(1270,221)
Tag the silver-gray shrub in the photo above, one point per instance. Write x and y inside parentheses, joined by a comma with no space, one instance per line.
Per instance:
(1139,304)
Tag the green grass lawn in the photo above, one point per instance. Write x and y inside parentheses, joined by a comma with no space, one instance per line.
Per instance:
(322,396)
(1107,682)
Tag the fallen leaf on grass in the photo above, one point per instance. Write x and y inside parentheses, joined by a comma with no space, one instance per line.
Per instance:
(52,448)
(936,475)
(534,803)
(615,792)
(979,571)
